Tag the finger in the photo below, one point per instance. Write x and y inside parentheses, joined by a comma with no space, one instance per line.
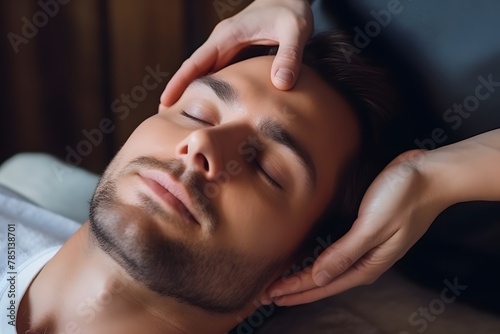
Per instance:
(298,282)
(362,273)
(199,63)
(233,39)
(342,283)
(335,260)
(341,255)
(307,279)
(365,271)
(226,40)
(286,66)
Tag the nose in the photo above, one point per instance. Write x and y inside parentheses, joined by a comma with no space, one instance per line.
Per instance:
(200,151)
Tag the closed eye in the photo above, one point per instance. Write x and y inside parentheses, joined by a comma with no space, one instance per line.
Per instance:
(268,178)
(195,119)
(261,170)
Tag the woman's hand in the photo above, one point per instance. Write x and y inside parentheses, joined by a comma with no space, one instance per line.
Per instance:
(397,209)
(265,22)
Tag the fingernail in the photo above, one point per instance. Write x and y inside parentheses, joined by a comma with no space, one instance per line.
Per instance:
(275,294)
(266,301)
(284,75)
(322,278)
(278,300)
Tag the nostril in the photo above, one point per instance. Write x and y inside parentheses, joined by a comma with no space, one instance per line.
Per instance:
(203,161)
(183,149)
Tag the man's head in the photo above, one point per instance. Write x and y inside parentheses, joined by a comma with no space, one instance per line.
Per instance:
(208,200)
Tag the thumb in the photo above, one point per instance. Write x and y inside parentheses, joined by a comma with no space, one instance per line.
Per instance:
(339,257)
(286,65)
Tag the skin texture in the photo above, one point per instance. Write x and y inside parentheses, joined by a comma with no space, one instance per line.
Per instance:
(244,233)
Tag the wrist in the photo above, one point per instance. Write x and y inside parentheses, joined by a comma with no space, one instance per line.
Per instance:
(434,166)
(466,170)
(418,169)
(429,198)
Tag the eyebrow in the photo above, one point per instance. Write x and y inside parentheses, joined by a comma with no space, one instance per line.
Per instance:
(270,129)
(223,89)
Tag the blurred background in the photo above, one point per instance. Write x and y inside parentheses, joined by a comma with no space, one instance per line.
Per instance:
(72,69)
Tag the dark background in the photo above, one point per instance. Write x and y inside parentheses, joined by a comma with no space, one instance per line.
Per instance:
(84,55)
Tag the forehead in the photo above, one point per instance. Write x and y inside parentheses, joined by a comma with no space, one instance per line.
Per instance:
(311,100)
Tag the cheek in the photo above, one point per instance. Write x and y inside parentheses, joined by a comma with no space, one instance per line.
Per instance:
(155,137)
(256,227)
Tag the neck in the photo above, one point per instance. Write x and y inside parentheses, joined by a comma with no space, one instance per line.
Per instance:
(83,290)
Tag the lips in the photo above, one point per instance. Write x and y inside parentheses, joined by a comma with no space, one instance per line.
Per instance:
(170,191)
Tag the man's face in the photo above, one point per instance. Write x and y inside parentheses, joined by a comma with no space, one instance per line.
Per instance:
(208,199)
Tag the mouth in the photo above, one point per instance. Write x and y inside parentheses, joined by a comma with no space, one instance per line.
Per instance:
(171,192)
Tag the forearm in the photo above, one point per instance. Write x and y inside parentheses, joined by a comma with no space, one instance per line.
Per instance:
(465,171)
